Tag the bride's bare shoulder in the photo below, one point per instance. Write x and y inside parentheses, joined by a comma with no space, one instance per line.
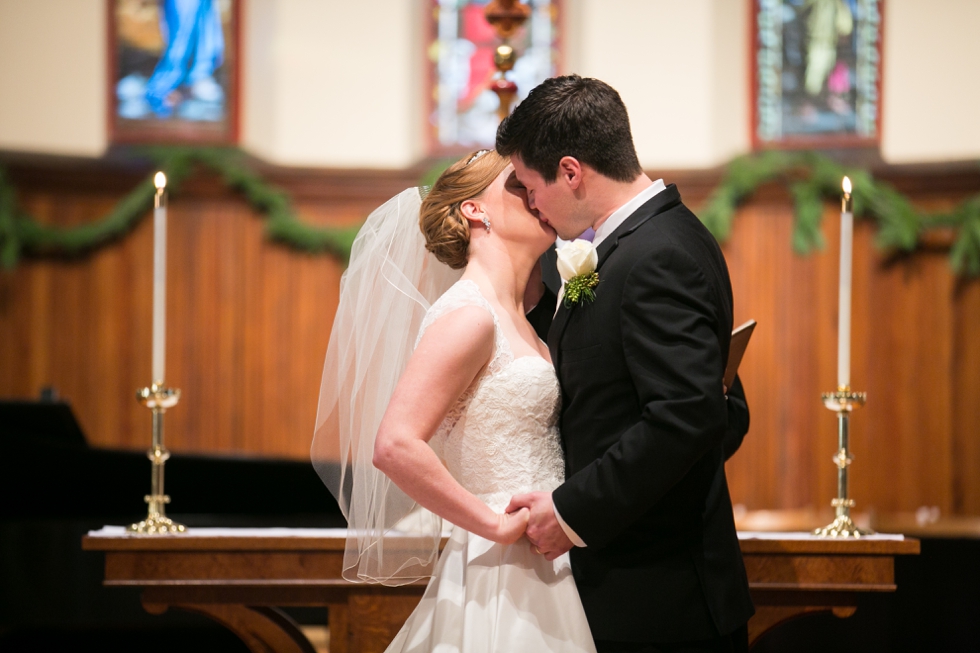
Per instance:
(461,332)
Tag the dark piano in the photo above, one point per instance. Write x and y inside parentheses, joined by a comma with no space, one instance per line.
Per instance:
(55,488)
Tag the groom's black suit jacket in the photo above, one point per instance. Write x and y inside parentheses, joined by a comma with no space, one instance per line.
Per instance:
(646,430)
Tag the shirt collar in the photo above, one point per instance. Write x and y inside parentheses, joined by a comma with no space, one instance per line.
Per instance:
(619,216)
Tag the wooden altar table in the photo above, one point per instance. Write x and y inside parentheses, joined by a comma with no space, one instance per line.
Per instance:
(240,578)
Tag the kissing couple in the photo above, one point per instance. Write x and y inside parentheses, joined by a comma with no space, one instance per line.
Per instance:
(584,478)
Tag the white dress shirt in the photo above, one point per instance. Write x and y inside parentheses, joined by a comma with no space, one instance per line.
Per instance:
(617,218)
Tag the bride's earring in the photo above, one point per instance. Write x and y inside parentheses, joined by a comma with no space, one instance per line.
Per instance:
(486,223)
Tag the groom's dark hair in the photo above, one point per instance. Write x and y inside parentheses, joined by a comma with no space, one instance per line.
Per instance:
(572,116)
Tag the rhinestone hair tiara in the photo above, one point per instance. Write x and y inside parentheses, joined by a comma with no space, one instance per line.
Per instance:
(476,156)
(424,190)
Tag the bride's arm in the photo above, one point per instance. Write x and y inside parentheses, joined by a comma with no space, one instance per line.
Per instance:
(453,350)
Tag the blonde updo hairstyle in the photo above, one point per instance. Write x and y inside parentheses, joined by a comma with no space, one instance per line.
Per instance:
(446,231)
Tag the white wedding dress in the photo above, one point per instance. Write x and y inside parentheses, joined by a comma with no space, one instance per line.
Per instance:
(499,440)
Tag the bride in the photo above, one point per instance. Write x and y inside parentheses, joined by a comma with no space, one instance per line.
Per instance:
(440,403)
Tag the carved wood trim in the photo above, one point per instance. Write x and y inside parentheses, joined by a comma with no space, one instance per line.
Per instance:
(262,629)
(120,170)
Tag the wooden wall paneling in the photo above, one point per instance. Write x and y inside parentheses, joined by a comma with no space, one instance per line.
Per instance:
(907,333)
(78,336)
(319,291)
(250,302)
(268,348)
(965,387)
(22,328)
(908,377)
(808,342)
(910,356)
(755,299)
(204,264)
(864,330)
(254,340)
(791,360)
(249,321)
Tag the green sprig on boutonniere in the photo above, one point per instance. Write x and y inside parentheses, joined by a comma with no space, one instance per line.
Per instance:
(577,262)
(580,289)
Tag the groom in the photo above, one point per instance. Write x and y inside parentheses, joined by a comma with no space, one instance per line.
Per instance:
(645,422)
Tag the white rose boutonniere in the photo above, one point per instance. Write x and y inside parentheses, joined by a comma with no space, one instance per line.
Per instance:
(577,262)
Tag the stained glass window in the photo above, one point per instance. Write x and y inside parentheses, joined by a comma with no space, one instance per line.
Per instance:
(817,72)
(173,67)
(463,108)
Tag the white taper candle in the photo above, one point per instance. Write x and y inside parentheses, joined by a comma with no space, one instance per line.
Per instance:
(844,293)
(159,276)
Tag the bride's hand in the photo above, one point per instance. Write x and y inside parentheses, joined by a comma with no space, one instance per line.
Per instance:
(510,526)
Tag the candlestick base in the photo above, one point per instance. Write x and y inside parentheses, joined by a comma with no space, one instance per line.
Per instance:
(842,527)
(157,525)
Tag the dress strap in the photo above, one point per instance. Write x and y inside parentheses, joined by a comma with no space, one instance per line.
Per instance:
(467,293)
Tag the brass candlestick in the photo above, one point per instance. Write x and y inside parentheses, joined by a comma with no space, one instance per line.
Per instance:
(158,399)
(843,402)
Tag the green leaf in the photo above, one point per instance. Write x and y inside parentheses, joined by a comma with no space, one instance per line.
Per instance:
(178,162)
(808,205)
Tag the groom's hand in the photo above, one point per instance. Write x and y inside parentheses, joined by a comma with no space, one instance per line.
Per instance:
(543,529)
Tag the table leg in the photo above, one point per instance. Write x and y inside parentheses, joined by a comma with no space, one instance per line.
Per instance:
(338,618)
(262,629)
(768,617)
(375,619)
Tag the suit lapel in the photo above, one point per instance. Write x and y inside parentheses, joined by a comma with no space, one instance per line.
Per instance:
(557,330)
(662,201)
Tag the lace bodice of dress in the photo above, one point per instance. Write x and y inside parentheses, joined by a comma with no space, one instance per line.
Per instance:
(500,438)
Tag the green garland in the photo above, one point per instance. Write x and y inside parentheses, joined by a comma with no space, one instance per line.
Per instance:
(20,233)
(811,178)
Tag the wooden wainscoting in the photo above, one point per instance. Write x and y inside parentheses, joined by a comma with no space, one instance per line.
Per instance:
(916,352)
(249,321)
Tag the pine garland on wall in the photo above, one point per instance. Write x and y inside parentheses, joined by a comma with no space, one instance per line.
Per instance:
(21,234)
(812,179)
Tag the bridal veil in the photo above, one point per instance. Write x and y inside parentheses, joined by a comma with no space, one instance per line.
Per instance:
(384,294)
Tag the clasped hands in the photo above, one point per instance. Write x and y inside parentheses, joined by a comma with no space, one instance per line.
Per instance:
(534,513)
